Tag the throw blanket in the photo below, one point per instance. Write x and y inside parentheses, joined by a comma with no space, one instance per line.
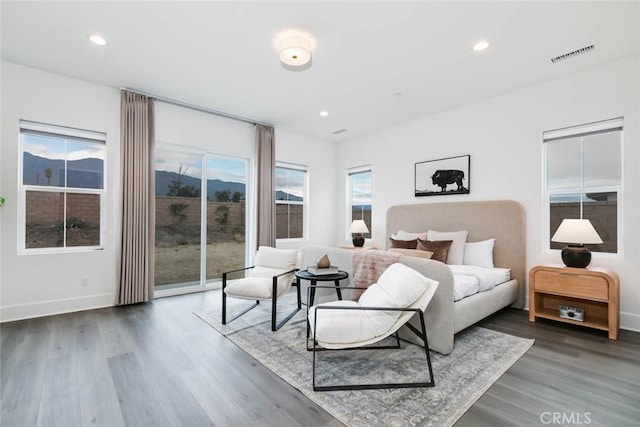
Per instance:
(366,266)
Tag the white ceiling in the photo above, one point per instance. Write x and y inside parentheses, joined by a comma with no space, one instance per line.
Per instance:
(222,55)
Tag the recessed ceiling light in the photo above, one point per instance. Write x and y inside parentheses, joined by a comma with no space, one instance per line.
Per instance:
(482,45)
(324,113)
(96,39)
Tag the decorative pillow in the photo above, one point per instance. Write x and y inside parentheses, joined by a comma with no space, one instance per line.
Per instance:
(404,244)
(412,252)
(479,253)
(456,252)
(405,235)
(438,249)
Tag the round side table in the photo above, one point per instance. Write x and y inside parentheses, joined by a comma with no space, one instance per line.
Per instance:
(313,278)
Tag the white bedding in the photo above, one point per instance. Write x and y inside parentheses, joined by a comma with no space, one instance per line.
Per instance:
(471,279)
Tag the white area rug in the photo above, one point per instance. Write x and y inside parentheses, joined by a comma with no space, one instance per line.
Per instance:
(479,358)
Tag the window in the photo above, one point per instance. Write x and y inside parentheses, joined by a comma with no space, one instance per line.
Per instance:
(62,188)
(584,179)
(290,196)
(200,216)
(360,196)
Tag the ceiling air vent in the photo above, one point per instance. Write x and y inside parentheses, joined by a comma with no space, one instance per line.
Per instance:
(339,131)
(572,54)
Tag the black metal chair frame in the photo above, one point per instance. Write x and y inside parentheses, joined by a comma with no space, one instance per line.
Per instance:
(422,334)
(274,300)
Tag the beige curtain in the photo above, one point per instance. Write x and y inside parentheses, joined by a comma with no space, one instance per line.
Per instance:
(266,155)
(138,193)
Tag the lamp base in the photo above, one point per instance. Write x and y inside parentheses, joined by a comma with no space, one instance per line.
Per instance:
(576,256)
(358,241)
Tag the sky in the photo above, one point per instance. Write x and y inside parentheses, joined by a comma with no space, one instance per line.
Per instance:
(230,169)
(290,181)
(61,149)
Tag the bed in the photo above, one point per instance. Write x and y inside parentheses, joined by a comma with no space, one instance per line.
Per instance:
(503,220)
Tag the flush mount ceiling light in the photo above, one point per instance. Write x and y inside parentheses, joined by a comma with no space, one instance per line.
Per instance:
(481,45)
(295,53)
(324,113)
(96,39)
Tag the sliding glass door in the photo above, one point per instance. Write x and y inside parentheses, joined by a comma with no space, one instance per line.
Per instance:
(226,215)
(200,217)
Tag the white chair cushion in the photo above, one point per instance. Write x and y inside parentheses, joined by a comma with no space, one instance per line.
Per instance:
(342,326)
(285,259)
(258,288)
(259,284)
(456,251)
(376,296)
(284,282)
(403,284)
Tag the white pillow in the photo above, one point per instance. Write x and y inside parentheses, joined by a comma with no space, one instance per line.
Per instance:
(456,251)
(405,235)
(479,253)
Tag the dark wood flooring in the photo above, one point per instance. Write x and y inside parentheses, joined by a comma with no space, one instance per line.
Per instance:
(157,364)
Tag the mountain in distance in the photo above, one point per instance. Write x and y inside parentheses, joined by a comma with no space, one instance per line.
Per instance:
(165,178)
(83,173)
(87,173)
(283,195)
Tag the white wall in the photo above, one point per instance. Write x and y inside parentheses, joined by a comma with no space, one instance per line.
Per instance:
(34,285)
(503,135)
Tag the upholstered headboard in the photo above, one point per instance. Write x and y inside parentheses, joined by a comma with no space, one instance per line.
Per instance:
(502,219)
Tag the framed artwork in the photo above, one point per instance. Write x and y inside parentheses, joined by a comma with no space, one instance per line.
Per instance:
(442,177)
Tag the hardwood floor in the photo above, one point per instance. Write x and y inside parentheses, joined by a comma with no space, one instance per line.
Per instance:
(157,364)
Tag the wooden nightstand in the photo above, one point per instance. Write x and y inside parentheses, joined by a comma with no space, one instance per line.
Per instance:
(595,290)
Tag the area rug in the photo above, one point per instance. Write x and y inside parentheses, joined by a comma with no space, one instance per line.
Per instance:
(479,358)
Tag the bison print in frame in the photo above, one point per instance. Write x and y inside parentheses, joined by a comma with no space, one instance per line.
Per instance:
(443,176)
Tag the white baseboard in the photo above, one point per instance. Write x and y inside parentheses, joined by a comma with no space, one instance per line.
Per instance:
(630,321)
(30,310)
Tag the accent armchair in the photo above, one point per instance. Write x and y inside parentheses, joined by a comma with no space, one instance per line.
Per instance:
(400,293)
(268,279)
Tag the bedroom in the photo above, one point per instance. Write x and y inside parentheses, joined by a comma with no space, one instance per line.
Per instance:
(502,134)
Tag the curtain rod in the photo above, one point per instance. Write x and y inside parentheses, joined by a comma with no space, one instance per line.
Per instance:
(197,107)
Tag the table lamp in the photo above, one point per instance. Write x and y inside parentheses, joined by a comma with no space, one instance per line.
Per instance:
(576,233)
(358,227)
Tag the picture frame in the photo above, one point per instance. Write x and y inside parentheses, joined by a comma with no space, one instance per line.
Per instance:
(443,177)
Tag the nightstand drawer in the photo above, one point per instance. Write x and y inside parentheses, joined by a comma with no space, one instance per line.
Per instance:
(572,284)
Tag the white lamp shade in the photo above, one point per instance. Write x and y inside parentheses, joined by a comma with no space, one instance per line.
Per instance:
(295,51)
(358,226)
(576,231)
